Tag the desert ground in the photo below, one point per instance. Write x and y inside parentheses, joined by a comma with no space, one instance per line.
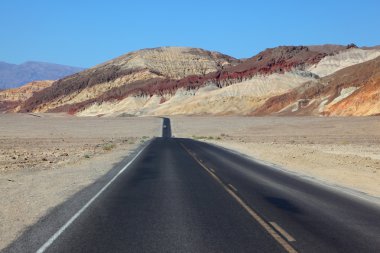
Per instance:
(46,158)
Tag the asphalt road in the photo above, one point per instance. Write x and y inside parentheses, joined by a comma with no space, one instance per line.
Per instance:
(181,195)
(166,128)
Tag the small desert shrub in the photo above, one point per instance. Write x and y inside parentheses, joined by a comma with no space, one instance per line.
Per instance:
(203,137)
(108,146)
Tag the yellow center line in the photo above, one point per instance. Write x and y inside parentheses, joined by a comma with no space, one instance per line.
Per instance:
(283,232)
(267,226)
(232,187)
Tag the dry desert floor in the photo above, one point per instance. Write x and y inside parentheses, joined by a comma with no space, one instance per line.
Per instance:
(46,158)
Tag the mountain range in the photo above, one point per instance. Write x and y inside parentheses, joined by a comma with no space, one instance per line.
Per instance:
(327,80)
(13,75)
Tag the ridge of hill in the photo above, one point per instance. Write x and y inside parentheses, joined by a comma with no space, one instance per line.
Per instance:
(177,80)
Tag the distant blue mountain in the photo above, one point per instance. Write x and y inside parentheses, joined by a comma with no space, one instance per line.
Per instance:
(13,75)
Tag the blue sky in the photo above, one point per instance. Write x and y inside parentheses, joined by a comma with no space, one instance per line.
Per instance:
(85,33)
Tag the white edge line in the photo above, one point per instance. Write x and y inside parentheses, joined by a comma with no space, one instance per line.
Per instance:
(77,214)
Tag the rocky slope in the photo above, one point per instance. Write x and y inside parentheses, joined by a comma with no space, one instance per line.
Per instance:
(352,91)
(144,71)
(166,81)
(12,98)
(364,102)
(13,75)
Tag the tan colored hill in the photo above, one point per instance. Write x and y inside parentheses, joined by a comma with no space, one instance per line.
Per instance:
(170,81)
(242,88)
(352,91)
(140,82)
(11,98)
(172,62)
(117,77)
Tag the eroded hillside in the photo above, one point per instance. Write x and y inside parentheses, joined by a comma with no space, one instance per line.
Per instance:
(12,98)
(352,91)
(169,81)
(115,79)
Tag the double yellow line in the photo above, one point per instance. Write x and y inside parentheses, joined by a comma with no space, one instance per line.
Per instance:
(232,191)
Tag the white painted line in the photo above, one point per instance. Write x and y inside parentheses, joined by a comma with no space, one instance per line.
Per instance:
(72,219)
(212,170)
(282,232)
(232,187)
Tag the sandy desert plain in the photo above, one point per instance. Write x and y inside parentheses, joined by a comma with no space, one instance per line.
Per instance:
(46,158)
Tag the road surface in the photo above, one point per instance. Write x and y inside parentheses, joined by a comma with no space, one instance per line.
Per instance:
(181,195)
